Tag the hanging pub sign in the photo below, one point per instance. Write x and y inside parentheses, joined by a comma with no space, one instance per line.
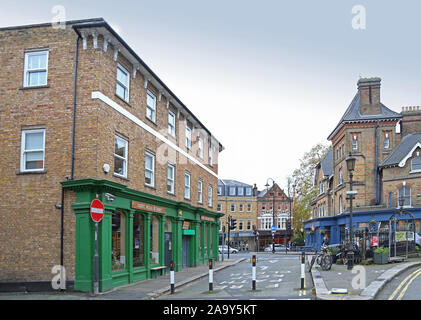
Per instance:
(186,225)
(148,207)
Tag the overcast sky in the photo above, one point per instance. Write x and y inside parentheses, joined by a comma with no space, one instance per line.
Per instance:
(269,79)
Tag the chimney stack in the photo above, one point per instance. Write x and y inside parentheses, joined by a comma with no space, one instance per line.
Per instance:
(254,190)
(369,96)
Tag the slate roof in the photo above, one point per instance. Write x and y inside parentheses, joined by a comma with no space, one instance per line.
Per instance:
(327,164)
(401,150)
(352,114)
(233,183)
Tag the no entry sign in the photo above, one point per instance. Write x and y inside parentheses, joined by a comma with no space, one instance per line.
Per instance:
(97,210)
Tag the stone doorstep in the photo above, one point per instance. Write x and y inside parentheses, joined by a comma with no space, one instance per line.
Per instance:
(368,293)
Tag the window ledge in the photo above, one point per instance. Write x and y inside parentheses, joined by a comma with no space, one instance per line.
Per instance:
(31,172)
(120,176)
(150,186)
(151,121)
(35,87)
(415,171)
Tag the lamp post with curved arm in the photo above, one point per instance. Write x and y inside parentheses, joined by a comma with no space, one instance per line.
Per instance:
(273,210)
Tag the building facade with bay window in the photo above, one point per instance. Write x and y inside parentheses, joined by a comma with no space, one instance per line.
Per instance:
(84,117)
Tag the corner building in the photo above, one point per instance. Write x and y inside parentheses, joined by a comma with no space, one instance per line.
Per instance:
(83,117)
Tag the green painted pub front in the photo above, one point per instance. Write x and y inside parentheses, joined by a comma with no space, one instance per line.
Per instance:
(138,236)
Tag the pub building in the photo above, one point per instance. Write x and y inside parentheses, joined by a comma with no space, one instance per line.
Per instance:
(139,235)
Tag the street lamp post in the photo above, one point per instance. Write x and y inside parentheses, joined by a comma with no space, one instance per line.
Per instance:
(273,211)
(350,163)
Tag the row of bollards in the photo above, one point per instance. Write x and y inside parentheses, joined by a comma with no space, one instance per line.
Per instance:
(253,274)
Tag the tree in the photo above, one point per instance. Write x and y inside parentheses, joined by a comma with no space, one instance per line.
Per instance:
(304,189)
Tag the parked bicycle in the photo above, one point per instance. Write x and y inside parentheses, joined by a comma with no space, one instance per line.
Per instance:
(323,258)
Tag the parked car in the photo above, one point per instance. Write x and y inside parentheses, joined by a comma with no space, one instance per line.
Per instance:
(278,248)
(418,239)
(225,249)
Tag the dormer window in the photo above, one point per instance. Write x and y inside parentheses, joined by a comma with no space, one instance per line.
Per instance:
(416,163)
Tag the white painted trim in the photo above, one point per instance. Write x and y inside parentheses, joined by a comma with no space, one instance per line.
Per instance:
(403,161)
(100,96)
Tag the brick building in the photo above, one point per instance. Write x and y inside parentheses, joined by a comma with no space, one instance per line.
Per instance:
(238,200)
(268,200)
(386,145)
(82,117)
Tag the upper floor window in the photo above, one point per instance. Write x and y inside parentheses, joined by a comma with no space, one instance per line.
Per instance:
(240,191)
(219,191)
(232,207)
(248,191)
(240,225)
(405,193)
(151,106)
(36,68)
(188,137)
(171,123)
(200,191)
(210,196)
(187,185)
(149,169)
(219,207)
(33,150)
(386,140)
(248,225)
(170,178)
(249,207)
(341,205)
(340,180)
(241,207)
(354,142)
(123,83)
(232,191)
(416,163)
(120,156)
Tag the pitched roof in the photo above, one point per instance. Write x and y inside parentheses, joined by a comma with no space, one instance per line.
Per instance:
(327,164)
(402,151)
(352,114)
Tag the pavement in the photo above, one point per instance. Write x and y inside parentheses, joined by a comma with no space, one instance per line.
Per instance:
(364,282)
(142,290)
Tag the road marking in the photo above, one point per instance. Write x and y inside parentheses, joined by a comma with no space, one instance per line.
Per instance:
(415,274)
(236,287)
(406,287)
(272,286)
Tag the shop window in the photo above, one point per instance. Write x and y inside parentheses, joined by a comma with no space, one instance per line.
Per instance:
(168,224)
(154,253)
(138,241)
(118,241)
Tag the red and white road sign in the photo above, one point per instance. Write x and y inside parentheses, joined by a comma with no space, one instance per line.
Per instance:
(97,210)
(374,241)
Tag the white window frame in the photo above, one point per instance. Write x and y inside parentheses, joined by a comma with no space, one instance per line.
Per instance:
(200,191)
(241,207)
(248,192)
(171,126)
(150,170)
(219,191)
(24,151)
(249,207)
(151,108)
(125,86)
(187,187)
(249,225)
(230,191)
(188,137)
(232,207)
(405,187)
(171,180)
(125,160)
(240,191)
(386,143)
(210,196)
(341,178)
(27,70)
(241,225)
(354,142)
(218,207)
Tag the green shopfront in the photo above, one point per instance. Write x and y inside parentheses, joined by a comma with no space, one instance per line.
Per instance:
(139,235)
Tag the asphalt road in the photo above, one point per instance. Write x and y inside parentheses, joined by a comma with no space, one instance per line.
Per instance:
(277,277)
(406,286)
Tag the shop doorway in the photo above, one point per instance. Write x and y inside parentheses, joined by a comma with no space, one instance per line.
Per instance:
(168,249)
(185,251)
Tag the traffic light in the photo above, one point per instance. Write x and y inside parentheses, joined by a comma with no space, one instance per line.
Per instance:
(289,225)
(233,224)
